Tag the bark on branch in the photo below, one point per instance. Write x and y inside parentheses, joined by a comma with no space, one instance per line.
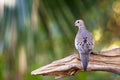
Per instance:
(103,61)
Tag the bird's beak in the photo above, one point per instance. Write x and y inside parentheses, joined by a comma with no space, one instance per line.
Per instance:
(74,25)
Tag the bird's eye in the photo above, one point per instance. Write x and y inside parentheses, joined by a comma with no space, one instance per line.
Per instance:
(78,22)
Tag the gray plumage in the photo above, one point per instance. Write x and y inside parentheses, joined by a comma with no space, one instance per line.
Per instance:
(84,43)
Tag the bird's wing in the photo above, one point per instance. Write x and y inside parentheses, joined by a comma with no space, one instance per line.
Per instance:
(84,42)
(90,41)
(79,43)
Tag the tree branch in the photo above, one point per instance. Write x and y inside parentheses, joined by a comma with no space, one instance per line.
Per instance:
(103,61)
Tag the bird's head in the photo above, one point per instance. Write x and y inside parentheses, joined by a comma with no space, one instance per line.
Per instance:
(79,23)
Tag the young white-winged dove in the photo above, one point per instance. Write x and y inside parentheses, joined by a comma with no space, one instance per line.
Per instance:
(84,43)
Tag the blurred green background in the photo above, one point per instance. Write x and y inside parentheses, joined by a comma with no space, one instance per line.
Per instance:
(34,33)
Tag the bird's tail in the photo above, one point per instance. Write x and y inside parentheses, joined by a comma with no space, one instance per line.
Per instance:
(84,57)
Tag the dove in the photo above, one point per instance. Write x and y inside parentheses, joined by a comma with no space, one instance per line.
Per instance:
(84,43)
